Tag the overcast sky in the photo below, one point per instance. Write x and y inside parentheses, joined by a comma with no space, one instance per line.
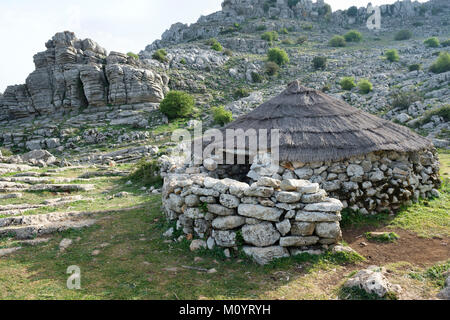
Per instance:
(117,25)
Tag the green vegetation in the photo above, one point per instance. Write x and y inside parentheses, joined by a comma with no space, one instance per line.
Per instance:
(147,172)
(277,55)
(307,27)
(414,67)
(284,31)
(338,41)
(436,274)
(403,35)
(5,152)
(302,39)
(177,104)
(442,63)
(241,93)
(319,63)
(272,68)
(347,83)
(443,111)
(160,55)
(214,44)
(133,55)
(256,77)
(403,99)
(365,86)
(352,11)
(432,42)
(228,52)
(382,236)
(446,43)
(270,36)
(392,55)
(353,36)
(287,41)
(261,28)
(222,116)
(356,293)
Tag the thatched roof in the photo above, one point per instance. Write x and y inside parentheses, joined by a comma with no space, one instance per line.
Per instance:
(316,127)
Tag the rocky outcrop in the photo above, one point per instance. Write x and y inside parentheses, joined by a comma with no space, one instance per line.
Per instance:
(73,74)
(237,11)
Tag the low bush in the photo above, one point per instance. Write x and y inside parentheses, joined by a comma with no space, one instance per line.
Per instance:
(347,83)
(403,35)
(403,99)
(256,77)
(320,63)
(302,39)
(5,152)
(284,31)
(442,63)
(177,104)
(432,42)
(147,172)
(338,41)
(270,36)
(277,55)
(222,116)
(272,68)
(228,52)
(443,111)
(287,41)
(133,55)
(392,55)
(160,55)
(307,27)
(414,67)
(241,93)
(261,28)
(214,44)
(365,86)
(446,43)
(353,36)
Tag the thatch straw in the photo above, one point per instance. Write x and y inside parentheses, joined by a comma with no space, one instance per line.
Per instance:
(315,127)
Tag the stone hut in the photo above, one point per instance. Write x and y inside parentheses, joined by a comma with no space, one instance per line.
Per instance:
(370,164)
(331,156)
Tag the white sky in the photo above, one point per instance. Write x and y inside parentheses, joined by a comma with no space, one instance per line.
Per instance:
(117,25)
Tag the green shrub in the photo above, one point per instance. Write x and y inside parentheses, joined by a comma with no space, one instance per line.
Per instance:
(338,41)
(277,55)
(320,62)
(403,35)
(392,55)
(183,61)
(256,77)
(228,52)
(222,116)
(287,41)
(432,42)
(347,83)
(160,55)
(302,39)
(446,43)
(6,152)
(272,68)
(214,44)
(284,31)
(414,67)
(352,11)
(353,36)
(365,86)
(443,111)
(307,27)
(147,172)
(177,104)
(403,99)
(442,64)
(261,28)
(241,93)
(270,36)
(133,55)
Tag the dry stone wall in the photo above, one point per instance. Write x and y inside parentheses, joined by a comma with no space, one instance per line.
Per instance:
(271,218)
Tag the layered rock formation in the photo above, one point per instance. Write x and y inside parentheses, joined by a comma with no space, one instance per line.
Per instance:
(237,11)
(73,74)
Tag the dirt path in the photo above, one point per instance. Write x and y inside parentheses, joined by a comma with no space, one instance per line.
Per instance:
(410,248)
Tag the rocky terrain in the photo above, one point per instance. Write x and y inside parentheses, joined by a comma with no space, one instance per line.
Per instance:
(72,133)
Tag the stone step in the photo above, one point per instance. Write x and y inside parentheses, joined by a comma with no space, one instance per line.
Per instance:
(33,231)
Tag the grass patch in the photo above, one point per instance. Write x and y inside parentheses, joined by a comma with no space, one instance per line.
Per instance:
(382,236)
